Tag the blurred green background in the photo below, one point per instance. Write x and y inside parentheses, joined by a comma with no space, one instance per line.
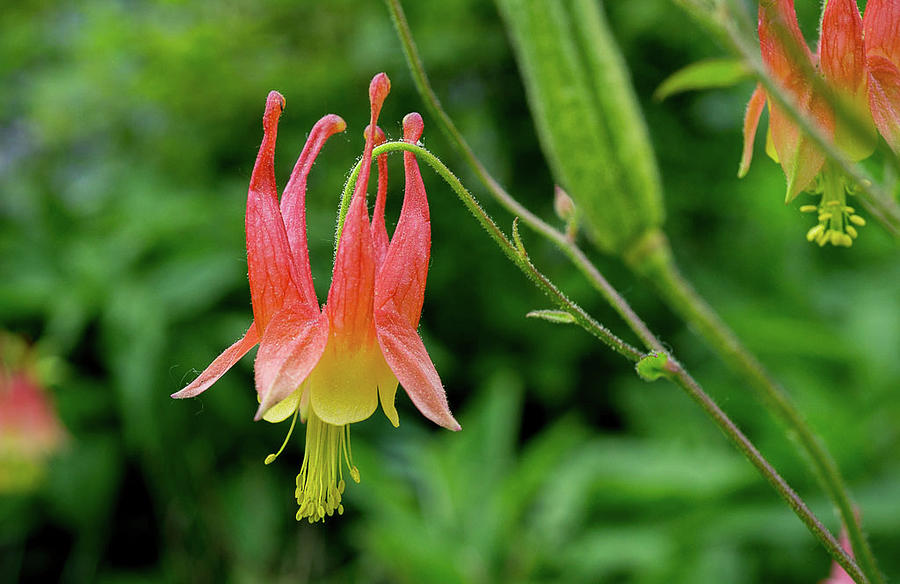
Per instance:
(128,131)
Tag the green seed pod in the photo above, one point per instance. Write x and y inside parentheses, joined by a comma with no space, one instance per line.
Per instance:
(587,117)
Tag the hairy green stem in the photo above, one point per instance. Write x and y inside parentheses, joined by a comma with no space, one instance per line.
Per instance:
(513,251)
(738,33)
(655,263)
(826,469)
(728,427)
(675,371)
(575,254)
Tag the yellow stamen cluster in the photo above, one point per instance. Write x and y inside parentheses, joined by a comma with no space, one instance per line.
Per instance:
(836,223)
(320,483)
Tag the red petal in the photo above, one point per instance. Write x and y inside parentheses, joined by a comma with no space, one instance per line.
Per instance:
(289,350)
(751,122)
(841,49)
(293,205)
(781,42)
(350,297)
(269,261)
(404,352)
(379,229)
(800,158)
(884,99)
(881,24)
(401,281)
(220,365)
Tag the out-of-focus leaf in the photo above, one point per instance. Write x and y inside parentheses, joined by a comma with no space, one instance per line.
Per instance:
(707,74)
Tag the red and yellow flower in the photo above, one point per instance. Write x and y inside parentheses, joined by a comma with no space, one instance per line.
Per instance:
(30,430)
(332,365)
(857,62)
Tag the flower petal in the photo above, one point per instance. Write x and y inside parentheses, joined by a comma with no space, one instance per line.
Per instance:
(400,286)
(273,281)
(344,385)
(350,297)
(286,407)
(842,53)
(290,348)
(293,205)
(220,365)
(884,99)
(751,122)
(843,60)
(406,354)
(799,156)
(881,28)
(781,43)
(379,229)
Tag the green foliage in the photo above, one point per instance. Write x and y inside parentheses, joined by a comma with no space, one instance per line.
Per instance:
(127,135)
(706,74)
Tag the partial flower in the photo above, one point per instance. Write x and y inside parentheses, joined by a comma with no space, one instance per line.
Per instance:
(856,61)
(332,366)
(30,430)
(838,575)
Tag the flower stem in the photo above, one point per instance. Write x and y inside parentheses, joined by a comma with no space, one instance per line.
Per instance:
(559,239)
(653,260)
(693,389)
(829,473)
(514,252)
(674,370)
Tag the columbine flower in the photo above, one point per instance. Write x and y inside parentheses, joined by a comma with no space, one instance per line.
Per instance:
(858,61)
(30,431)
(838,575)
(331,366)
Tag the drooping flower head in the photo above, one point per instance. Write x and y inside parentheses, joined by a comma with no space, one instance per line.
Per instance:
(332,366)
(30,430)
(856,62)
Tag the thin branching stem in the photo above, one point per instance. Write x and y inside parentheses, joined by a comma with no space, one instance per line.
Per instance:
(515,251)
(575,254)
(747,364)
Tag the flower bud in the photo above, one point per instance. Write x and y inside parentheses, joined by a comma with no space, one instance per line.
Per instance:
(587,117)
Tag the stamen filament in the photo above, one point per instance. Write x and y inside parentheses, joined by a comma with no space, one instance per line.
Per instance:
(271,458)
(320,482)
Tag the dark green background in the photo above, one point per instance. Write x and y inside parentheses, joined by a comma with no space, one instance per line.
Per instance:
(128,131)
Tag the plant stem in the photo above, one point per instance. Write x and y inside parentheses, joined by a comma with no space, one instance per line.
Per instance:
(515,253)
(564,244)
(675,371)
(653,260)
(693,389)
(827,470)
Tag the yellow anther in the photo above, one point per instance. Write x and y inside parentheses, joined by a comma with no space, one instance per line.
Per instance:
(847,240)
(849,209)
(833,203)
(852,231)
(808,208)
(271,458)
(825,216)
(857,220)
(813,233)
(320,483)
